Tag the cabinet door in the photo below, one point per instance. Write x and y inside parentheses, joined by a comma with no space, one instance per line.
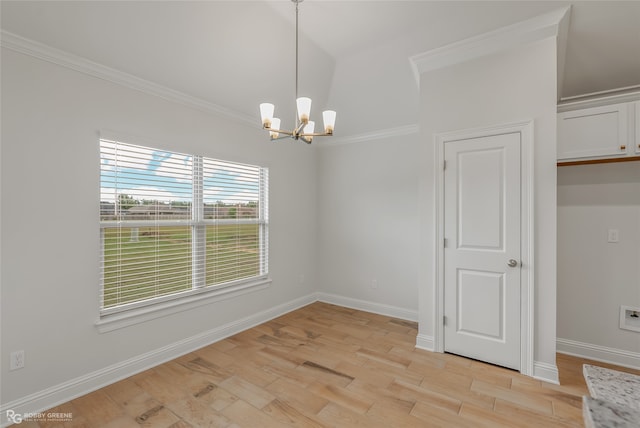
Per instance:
(593,133)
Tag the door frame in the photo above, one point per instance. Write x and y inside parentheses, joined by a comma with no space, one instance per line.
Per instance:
(527,299)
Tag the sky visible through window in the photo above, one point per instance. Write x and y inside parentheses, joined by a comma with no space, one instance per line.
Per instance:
(155,176)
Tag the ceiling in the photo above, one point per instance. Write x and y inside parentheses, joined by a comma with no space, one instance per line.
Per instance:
(354,55)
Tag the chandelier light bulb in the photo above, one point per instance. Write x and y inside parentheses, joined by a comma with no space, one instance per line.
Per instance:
(329,118)
(266,112)
(275,127)
(308,129)
(304,109)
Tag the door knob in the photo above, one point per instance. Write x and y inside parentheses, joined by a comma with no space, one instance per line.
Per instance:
(512,263)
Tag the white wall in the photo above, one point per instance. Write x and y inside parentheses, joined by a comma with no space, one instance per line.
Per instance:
(368,191)
(596,277)
(375,89)
(502,88)
(368,221)
(50,205)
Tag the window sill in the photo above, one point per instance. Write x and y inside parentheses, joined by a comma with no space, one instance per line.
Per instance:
(139,315)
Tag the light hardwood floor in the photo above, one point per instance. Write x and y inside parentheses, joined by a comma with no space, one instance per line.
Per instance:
(325,365)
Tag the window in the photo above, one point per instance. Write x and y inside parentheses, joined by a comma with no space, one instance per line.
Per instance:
(174,225)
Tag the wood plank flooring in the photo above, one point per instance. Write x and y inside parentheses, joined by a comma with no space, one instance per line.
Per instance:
(325,365)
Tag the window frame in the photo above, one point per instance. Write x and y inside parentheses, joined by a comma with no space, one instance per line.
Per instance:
(200,293)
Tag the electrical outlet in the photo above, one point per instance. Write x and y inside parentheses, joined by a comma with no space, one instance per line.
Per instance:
(613,236)
(17,360)
(630,318)
(374,284)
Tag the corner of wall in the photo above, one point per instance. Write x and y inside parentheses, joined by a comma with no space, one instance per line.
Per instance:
(546,372)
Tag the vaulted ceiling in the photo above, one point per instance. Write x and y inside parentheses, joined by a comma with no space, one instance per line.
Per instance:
(354,55)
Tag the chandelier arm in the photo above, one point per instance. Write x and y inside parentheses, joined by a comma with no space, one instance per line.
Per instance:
(316,134)
(281,131)
(299,128)
(282,137)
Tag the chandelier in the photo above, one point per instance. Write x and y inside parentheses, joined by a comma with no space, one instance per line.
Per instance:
(304,129)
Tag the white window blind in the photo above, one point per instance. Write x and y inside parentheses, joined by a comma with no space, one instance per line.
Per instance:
(173,224)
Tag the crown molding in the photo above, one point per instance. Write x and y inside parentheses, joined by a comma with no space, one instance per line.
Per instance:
(534,29)
(74,62)
(369,136)
(561,54)
(602,98)
(77,63)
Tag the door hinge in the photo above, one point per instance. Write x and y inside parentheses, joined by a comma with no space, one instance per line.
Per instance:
(444,243)
(444,165)
(444,320)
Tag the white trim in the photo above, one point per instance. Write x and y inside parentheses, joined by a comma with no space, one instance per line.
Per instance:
(74,62)
(616,92)
(66,391)
(604,354)
(438,272)
(527,321)
(174,304)
(584,101)
(511,36)
(374,135)
(425,342)
(546,372)
(367,306)
(561,52)
(636,107)
(527,209)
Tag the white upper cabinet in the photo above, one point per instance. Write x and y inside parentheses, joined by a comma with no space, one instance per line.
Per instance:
(597,133)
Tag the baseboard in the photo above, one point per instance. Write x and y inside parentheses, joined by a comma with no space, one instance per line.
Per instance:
(66,391)
(425,342)
(604,354)
(365,305)
(546,372)
(74,388)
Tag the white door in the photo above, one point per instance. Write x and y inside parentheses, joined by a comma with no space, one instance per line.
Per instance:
(482,248)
